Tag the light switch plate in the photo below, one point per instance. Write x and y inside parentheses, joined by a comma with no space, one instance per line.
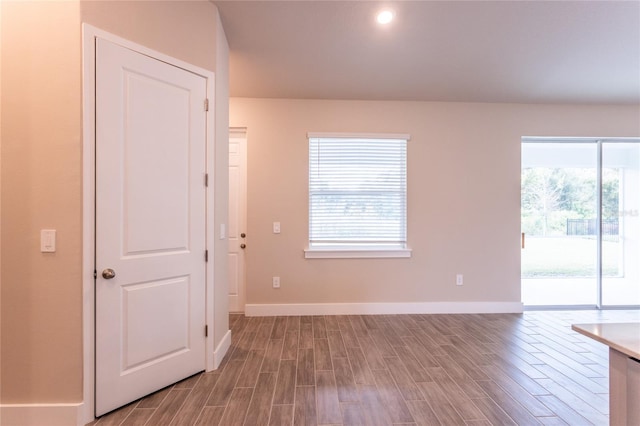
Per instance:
(48,240)
(276,227)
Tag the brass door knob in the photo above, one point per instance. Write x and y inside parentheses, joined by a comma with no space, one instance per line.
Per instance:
(108,274)
(243,235)
(242,246)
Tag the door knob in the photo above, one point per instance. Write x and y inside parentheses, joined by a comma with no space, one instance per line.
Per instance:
(109,273)
(243,235)
(242,246)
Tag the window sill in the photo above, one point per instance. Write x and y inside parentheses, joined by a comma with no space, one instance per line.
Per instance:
(334,253)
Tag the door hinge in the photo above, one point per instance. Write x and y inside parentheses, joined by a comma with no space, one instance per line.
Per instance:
(206,255)
(95,274)
(206,104)
(206,331)
(206,179)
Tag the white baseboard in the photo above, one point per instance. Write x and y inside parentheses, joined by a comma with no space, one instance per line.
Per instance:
(222,349)
(41,414)
(266,310)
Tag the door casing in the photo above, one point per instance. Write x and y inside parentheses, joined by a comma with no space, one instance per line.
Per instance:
(89,35)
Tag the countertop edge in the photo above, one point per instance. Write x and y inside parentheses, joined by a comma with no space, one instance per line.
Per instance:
(612,344)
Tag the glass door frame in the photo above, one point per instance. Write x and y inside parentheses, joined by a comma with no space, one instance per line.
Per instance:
(599,163)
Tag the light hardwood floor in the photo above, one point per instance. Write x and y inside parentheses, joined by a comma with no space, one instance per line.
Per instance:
(498,369)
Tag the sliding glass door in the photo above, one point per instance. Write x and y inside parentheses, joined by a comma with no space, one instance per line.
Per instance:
(580,215)
(621,223)
(558,208)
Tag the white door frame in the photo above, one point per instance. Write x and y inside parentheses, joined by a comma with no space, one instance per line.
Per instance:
(89,34)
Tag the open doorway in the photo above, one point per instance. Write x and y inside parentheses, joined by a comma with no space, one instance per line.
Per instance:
(580,222)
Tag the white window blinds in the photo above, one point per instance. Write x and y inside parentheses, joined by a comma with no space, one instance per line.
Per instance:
(357,192)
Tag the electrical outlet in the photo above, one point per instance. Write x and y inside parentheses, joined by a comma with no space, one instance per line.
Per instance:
(459,279)
(276,282)
(276,227)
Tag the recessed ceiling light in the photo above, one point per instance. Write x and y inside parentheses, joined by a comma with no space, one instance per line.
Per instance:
(385,16)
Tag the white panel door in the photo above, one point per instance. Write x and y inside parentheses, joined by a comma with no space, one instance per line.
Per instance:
(237,218)
(150,225)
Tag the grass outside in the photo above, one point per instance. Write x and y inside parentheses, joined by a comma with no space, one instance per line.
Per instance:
(567,257)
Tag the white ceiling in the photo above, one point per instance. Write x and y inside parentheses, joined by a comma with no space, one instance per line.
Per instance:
(475,51)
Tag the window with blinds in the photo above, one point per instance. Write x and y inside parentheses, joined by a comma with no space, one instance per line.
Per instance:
(358,192)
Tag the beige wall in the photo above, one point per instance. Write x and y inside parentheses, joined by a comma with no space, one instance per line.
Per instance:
(183,29)
(463,196)
(0,205)
(221,183)
(41,166)
(41,188)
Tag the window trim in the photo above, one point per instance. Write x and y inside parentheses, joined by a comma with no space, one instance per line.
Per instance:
(345,251)
(405,136)
(362,253)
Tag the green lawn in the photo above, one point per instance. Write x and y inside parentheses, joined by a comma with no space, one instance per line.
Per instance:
(560,257)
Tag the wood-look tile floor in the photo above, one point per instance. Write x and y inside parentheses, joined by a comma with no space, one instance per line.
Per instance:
(495,369)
